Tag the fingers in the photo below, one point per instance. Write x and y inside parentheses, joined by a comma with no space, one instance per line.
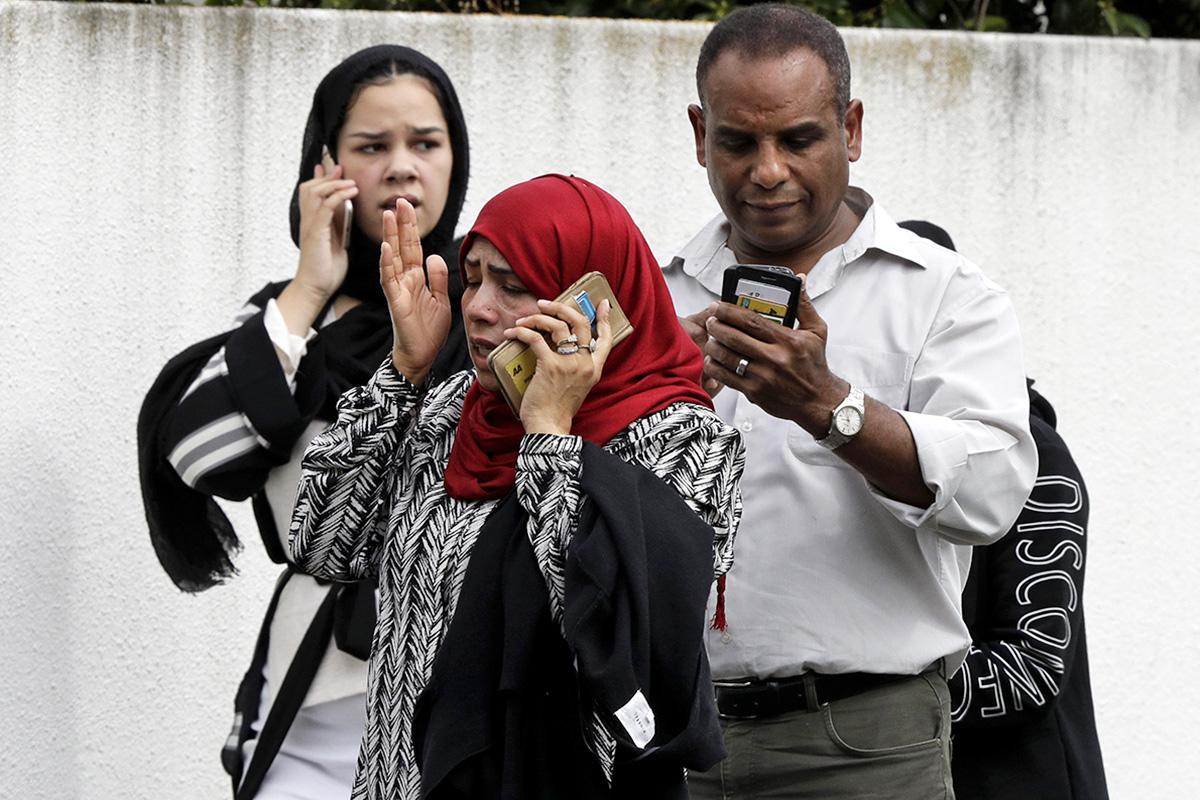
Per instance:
(321,184)
(741,331)
(323,195)
(439,276)
(327,196)
(580,325)
(410,237)
(387,270)
(694,324)
(730,319)
(604,339)
(555,328)
(722,355)
(735,334)
(695,331)
(391,231)
(567,321)
(715,371)
(534,331)
(536,341)
(807,317)
(334,200)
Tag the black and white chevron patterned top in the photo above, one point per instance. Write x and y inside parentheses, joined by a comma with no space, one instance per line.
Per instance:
(371,502)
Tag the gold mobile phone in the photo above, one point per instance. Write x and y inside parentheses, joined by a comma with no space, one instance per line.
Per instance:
(345,218)
(515,363)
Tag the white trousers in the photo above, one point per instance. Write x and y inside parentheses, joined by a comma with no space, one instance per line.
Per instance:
(318,756)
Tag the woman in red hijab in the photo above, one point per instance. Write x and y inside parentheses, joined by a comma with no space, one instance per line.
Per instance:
(406,483)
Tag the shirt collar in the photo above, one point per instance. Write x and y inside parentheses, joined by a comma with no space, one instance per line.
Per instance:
(707,255)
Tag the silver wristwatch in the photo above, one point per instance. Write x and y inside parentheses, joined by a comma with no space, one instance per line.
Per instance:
(847,420)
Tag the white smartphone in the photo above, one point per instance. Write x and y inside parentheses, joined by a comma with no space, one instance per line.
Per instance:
(345,218)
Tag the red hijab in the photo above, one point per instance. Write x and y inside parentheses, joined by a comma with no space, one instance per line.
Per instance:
(552,230)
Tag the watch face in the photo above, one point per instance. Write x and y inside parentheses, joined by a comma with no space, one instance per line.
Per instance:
(848,421)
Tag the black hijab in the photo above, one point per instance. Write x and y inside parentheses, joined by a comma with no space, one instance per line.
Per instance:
(192,536)
(355,344)
(331,101)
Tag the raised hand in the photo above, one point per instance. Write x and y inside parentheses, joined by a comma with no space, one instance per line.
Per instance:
(565,372)
(420,311)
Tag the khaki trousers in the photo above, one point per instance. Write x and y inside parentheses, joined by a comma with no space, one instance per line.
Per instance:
(889,743)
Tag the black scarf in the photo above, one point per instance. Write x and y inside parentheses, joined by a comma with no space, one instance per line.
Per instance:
(330,103)
(507,708)
(357,343)
(192,537)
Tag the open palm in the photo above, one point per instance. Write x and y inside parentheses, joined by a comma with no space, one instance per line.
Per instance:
(420,310)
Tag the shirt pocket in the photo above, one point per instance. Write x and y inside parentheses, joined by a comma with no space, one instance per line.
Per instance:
(881,374)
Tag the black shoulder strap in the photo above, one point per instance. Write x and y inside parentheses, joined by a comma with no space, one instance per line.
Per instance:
(267,529)
(290,696)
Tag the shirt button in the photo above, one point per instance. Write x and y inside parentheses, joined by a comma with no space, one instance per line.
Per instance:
(745,426)
(725,637)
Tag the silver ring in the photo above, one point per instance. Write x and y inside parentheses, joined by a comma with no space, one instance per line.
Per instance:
(572,339)
(592,346)
(740,369)
(568,349)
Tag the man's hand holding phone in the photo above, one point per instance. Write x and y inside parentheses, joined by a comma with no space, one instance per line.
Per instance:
(695,326)
(780,368)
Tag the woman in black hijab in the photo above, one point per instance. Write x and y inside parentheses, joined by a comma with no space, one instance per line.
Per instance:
(231,416)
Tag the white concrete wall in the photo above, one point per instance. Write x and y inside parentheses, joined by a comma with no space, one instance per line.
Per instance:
(146,160)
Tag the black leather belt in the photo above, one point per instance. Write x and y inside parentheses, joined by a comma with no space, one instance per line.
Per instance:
(753,698)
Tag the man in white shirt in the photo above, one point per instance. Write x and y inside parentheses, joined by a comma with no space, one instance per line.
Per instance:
(885,435)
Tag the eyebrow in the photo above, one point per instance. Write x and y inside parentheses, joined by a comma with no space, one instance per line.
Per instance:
(803,129)
(375,136)
(496,269)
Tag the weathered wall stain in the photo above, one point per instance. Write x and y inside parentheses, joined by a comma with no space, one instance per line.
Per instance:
(149,157)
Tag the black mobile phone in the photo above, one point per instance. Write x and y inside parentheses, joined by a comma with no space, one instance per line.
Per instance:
(772,292)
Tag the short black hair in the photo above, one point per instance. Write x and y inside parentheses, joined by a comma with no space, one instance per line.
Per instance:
(927,230)
(771,30)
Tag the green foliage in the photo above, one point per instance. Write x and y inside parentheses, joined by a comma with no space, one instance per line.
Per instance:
(1168,18)
(1163,18)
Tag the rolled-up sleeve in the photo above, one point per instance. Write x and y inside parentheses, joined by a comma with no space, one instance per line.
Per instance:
(547,482)
(968,412)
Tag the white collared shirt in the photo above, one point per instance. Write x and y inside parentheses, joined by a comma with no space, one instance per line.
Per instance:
(829,575)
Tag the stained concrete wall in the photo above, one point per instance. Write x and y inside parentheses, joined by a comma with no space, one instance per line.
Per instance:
(146,164)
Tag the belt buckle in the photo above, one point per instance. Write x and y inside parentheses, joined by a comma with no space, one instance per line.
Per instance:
(761,689)
(737,683)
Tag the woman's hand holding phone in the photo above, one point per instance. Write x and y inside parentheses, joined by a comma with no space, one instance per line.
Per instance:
(563,378)
(420,312)
(323,259)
